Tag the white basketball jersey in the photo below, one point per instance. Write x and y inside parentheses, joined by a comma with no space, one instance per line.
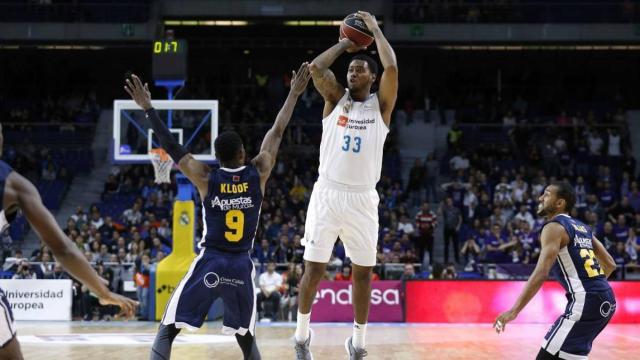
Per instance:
(352,143)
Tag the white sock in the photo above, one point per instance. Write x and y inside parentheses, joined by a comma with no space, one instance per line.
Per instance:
(359,331)
(302,328)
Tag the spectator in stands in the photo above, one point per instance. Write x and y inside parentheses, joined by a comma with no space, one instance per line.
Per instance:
(96,220)
(452,222)
(270,283)
(284,252)
(133,216)
(57,274)
(450,272)
(409,273)
(79,217)
(264,253)
(595,143)
(141,279)
(24,271)
(344,274)
(525,215)
(159,247)
(494,245)
(632,246)
(426,222)
(459,163)
(111,186)
(290,300)
(405,226)
(470,252)
(619,253)
(620,229)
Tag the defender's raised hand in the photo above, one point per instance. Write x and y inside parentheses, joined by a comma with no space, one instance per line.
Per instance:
(139,93)
(300,79)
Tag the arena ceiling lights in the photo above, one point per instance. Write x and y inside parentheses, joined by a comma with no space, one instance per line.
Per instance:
(206,22)
(540,47)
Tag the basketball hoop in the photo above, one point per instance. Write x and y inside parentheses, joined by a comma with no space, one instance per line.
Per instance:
(162,164)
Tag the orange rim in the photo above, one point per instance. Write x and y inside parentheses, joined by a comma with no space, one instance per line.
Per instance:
(163,154)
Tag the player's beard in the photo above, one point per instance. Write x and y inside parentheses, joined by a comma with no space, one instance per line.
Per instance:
(544,211)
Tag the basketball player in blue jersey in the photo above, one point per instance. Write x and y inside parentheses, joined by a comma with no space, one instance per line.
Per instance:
(18,193)
(231,199)
(582,266)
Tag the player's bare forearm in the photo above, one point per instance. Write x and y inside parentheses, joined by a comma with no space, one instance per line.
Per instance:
(77,265)
(532,287)
(385,51)
(63,249)
(326,58)
(271,142)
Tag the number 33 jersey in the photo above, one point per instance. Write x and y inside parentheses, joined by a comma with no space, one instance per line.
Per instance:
(577,268)
(353,138)
(232,209)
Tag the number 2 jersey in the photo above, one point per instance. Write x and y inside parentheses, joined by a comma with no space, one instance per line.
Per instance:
(232,209)
(352,142)
(576,267)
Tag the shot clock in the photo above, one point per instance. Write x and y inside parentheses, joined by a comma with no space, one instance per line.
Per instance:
(169,59)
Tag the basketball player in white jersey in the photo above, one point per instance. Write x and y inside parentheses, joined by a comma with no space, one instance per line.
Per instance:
(344,202)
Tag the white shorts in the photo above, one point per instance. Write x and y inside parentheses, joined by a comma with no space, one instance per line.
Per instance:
(7,324)
(348,212)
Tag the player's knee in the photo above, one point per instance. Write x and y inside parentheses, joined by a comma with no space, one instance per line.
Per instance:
(314,271)
(361,274)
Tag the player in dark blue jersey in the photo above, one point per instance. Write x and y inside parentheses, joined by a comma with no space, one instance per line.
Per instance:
(18,193)
(582,266)
(231,199)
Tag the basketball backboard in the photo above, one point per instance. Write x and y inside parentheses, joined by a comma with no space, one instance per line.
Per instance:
(193,122)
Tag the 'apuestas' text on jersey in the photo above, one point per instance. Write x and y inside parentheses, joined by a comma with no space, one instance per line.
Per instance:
(232,209)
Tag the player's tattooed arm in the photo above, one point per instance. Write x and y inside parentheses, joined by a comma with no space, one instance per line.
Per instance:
(388,91)
(266,159)
(551,239)
(605,259)
(323,79)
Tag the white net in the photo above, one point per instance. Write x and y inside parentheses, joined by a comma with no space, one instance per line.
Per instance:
(162,165)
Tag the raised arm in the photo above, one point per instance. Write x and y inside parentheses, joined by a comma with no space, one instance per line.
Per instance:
(605,259)
(551,238)
(388,90)
(324,80)
(266,159)
(65,251)
(197,172)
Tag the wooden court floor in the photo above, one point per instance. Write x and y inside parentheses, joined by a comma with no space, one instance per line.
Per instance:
(131,340)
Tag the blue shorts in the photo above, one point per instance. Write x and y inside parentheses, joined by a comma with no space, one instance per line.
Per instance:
(215,274)
(585,317)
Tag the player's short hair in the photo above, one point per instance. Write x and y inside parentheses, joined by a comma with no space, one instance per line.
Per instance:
(565,191)
(373,65)
(227,146)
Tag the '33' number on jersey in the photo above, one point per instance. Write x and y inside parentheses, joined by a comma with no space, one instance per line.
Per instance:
(235,222)
(356,144)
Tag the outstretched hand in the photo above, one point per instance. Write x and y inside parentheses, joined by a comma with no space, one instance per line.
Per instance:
(300,79)
(501,321)
(139,93)
(127,306)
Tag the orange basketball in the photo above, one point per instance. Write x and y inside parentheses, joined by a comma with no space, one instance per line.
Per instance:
(356,30)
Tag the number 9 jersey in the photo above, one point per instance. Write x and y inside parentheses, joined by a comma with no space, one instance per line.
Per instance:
(232,209)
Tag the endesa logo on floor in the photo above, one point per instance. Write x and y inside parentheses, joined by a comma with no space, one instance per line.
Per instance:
(482,301)
(334,302)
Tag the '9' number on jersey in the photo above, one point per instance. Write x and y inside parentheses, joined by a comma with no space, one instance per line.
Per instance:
(235,223)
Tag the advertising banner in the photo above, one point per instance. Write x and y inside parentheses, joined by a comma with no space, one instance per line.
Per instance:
(333,302)
(482,301)
(39,299)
